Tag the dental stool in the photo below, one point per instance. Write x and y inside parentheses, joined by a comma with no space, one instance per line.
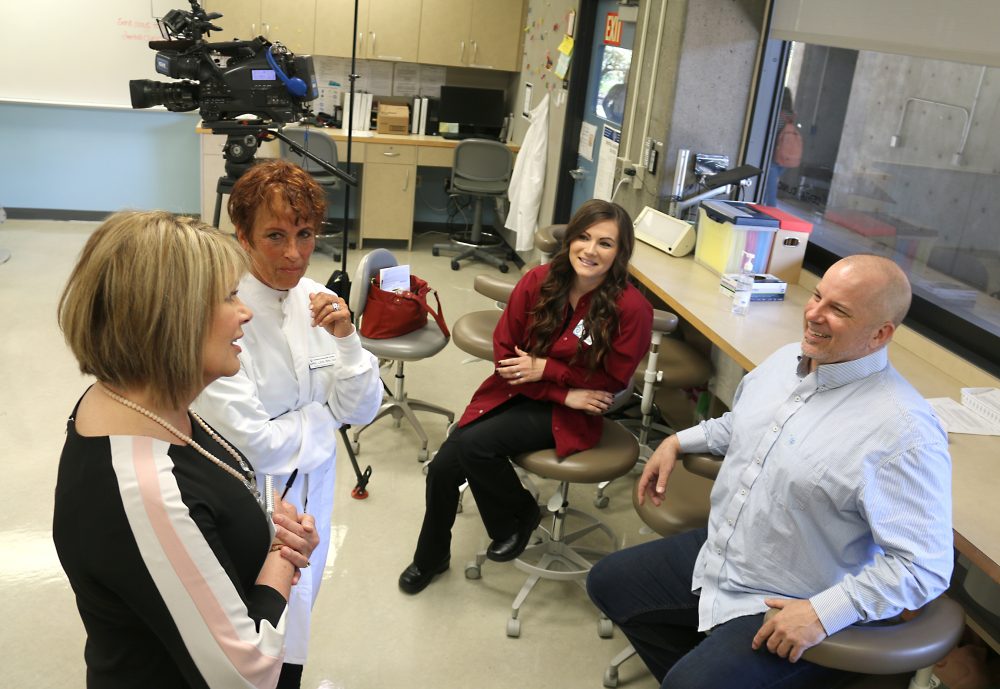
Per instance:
(473,332)
(556,557)
(685,507)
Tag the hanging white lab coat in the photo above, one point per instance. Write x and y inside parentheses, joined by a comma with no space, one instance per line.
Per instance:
(297,384)
(528,178)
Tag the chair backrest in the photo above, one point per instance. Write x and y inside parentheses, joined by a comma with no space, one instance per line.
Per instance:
(371,263)
(482,167)
(313,141)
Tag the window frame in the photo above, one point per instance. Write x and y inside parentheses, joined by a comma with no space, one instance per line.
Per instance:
(965,339)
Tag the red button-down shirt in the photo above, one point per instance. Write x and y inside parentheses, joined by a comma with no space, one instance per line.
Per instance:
(574,430)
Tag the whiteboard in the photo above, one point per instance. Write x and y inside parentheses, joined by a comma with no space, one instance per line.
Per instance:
(78,52)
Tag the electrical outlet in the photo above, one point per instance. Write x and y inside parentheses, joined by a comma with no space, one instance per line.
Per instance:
(640,173)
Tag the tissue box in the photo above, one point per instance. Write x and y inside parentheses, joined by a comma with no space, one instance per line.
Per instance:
(393,119)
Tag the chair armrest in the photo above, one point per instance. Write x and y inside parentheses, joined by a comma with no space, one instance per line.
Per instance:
(495,287)
(664,321)
(890,649)
(702,464)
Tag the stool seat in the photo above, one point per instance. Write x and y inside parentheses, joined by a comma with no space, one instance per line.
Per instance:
(685,504)
(473,333)
(613,456)
(893,648)
(681,366)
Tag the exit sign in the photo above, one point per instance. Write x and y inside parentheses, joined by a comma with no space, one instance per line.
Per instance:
(613,29)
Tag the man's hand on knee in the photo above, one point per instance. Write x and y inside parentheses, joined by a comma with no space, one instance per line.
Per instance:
(789,633)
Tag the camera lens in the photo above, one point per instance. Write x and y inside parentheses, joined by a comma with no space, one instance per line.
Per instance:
(179,97)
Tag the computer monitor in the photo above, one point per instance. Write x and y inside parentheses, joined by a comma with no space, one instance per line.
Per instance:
(478,112)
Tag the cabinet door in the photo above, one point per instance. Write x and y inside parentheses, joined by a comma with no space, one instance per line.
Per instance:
(335,27)
(444,32)
(291,22)
(387,201)
(393,30)
(496,34)
(240,19)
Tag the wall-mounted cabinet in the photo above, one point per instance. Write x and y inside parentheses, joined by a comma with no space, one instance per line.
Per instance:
(290,22)
(386,29)
(479,33)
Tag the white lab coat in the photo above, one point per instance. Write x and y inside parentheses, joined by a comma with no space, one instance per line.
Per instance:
(297,384)
(528,178)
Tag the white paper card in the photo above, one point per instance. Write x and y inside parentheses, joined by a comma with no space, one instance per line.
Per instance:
(959,419)
(588,135)
(394,278)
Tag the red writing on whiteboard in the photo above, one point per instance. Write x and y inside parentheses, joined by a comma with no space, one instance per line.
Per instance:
(137,23)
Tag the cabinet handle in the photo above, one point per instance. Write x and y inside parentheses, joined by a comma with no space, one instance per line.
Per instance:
(371,48)
(390,154)
(461,51)
(406,181)
(475,51)
(361,42)
(267,29)
(253,29)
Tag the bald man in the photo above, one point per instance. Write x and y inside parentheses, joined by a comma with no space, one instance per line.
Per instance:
(833,505)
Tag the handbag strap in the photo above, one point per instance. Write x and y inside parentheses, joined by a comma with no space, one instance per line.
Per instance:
(439,316)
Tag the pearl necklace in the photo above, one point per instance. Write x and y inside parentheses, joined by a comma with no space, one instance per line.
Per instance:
(247,478)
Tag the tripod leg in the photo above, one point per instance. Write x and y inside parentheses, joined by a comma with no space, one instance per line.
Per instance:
(360,491)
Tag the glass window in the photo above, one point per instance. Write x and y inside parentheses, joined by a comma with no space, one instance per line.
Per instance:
(899,156)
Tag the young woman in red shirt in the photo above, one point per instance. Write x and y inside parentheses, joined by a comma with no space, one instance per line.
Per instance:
(571,337)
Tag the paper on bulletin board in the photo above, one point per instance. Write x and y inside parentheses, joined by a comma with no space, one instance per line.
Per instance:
(431,79)
(566,47)
(378,81)
(406,80)
(562,66)
(607,157)
(588,134)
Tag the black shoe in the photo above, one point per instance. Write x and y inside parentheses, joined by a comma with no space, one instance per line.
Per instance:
(414,580)
(507,549)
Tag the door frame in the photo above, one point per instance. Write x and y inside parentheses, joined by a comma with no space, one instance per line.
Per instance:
(576,101)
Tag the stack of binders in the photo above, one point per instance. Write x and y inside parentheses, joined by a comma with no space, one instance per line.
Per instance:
(766,287)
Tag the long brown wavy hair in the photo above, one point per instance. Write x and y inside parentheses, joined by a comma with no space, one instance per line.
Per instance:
(601,321)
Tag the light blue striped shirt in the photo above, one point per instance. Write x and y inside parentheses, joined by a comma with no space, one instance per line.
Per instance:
(836,487)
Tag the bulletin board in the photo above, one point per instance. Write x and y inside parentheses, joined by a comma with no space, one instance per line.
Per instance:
(78,52)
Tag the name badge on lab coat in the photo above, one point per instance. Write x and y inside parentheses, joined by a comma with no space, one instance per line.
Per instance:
(316,362)
(578,331)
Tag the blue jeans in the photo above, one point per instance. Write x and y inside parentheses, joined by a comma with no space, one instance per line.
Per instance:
(646,591)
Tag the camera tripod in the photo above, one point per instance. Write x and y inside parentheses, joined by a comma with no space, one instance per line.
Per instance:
(243,138)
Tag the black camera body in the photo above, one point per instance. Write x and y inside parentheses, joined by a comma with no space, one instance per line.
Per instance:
(224,80)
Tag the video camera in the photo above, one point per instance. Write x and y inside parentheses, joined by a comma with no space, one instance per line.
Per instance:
(226,79)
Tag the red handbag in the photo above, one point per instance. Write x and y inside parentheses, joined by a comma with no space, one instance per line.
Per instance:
(391,314)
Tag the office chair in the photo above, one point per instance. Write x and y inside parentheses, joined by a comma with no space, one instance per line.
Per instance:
(685,507)
(420,344)
(324,147)
(556,557)
(482,168)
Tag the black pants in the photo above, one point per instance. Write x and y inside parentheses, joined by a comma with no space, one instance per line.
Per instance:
(480,453)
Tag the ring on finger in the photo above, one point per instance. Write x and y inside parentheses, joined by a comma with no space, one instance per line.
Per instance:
(335,306)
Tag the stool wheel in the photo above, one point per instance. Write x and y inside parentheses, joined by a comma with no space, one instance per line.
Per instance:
(513,627)
(455,265)
(473,571)
(356,446)
(504,267)
(611,677)
(601,502)
(423,455)
(605,629)
(435,251)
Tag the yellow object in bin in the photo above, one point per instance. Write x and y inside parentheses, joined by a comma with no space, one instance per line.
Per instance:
(720,245)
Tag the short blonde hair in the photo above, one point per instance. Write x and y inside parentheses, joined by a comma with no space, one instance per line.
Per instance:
(139,302)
